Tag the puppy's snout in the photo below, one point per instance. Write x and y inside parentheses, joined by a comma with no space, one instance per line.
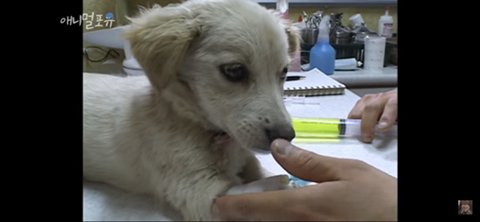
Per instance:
(280,132)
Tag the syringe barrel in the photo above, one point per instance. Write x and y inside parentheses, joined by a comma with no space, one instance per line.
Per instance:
(333,128)
(354,128)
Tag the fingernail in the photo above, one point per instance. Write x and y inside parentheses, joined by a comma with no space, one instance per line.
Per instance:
(367,138)
(383,125)
(281,147)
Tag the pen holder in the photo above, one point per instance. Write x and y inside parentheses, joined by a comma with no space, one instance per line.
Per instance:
(310,35)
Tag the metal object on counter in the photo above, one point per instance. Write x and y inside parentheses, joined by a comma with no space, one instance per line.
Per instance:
(338,33)
(341,37)
(310,32)
(318,14)
(360,37)
(310,35)
(305,18)
(312,21)
(336,22)
(361,32)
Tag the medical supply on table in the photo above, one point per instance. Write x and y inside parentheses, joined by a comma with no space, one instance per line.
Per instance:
(385,25)
(335,128)
(322,55)
(346,64)
(340,65)
(279,182)
(300,100)
(356,20)
(296,182)
(374,54)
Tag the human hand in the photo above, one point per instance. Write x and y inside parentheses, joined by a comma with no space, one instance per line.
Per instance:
(347,190)
(379,108)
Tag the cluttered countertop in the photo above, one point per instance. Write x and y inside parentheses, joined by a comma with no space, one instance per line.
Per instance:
(362,78)
(354,55)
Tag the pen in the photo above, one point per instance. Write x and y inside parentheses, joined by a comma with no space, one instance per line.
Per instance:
(292,78)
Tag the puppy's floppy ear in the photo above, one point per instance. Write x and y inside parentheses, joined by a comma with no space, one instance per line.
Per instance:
(293,33)
(294,38)
(159,39)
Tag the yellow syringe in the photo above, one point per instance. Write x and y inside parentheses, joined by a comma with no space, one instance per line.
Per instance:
(314,129)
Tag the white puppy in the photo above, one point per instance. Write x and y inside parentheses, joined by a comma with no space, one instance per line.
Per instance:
(185,134)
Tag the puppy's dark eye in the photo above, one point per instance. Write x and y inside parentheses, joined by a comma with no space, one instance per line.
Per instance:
(234,72)
(283,75)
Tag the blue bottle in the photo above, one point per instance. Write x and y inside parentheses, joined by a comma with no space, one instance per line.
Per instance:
(322,55)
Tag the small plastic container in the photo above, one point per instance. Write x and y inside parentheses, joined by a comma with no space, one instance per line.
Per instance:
(385,25)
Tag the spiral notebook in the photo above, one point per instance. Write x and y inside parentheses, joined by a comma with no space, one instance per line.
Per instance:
(315,83)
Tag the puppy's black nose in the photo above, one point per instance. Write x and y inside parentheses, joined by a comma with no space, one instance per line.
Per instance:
(281,132)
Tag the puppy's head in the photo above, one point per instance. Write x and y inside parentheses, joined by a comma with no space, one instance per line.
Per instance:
(220,61)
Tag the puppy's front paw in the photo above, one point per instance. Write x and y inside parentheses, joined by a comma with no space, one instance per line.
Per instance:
(195,202)
(252,171)
(279,182)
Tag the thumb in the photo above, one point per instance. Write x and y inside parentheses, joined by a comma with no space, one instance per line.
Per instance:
(304,164)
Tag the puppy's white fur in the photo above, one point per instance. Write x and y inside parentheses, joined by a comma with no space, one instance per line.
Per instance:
(159,135)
